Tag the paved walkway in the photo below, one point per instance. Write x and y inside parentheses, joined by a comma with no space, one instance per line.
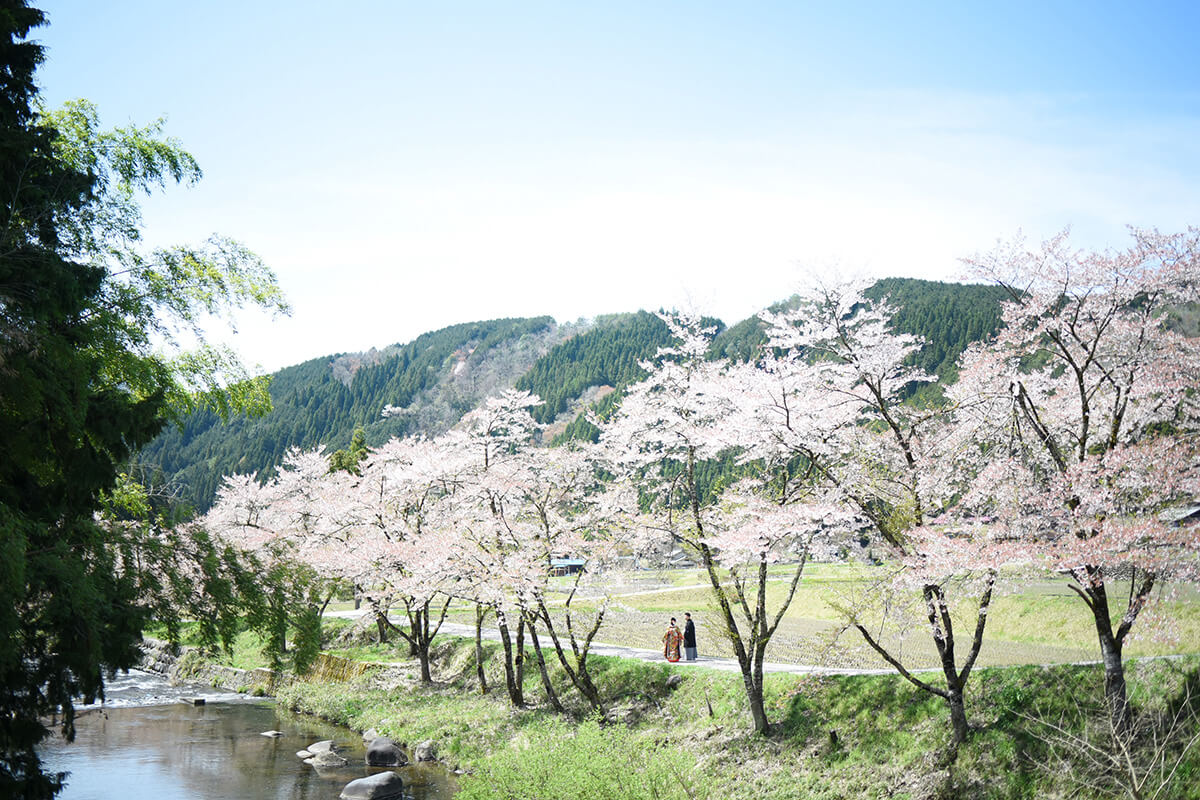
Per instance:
(621,651)
(724,664)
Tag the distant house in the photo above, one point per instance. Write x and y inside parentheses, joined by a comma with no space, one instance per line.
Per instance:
(566,566)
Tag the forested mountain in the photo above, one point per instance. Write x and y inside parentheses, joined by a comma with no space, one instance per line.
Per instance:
(606,355)
(949,316)
(431,382)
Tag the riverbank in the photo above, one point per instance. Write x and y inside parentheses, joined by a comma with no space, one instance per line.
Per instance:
(686,729)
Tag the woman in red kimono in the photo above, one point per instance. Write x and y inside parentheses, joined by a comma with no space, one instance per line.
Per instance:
(671,642)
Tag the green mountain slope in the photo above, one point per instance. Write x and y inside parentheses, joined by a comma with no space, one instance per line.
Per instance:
(949,316)
(607,355)
(433,380)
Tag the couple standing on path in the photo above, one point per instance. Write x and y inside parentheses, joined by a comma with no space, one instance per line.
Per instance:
(674,638)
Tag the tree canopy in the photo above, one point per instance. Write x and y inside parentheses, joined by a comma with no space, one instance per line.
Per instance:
(89,371)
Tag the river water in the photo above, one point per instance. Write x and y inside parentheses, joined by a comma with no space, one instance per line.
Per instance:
(144,743)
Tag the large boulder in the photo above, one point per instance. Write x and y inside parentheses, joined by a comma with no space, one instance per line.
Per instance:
(382,786)
(324,746)
(383,752)
(425,751)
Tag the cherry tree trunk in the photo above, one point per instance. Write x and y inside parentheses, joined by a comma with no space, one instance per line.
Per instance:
(955,690)
(757,711)
(423,636)
(746,660)
(551,695)
(754,695)
(515,692)
(414,641)
(479,614)
(588,688)
(958,716)
(577,671)
(420,642)
(1114,672)
(519,659)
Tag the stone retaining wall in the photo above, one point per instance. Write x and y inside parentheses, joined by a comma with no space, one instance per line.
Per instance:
(191,665)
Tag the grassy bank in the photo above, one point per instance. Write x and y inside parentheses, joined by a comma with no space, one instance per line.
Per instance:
(835,737)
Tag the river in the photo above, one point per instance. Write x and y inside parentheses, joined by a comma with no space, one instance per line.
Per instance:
(144,743)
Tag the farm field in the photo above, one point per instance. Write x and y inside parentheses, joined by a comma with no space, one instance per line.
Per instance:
(1030,621)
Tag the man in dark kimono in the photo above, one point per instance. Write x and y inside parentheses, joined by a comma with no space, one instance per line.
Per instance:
(689,638)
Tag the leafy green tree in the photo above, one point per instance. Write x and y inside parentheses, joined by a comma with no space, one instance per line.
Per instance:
(348,460)
(145,298)
(89,370)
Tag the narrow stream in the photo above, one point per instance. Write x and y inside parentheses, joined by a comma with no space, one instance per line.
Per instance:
(144,742)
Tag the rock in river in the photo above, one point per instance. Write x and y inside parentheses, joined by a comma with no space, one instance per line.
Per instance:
(383,752)
(326,759)
(426,751)
(382,786)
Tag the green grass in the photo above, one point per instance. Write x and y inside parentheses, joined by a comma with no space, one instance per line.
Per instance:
(453,711)
(588,761)
(1031,621)
(890,738)
(840,736)
(246,651)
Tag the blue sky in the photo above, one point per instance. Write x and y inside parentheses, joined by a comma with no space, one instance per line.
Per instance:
(405,166)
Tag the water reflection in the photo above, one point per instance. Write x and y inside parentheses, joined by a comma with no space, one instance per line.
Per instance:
(130,751)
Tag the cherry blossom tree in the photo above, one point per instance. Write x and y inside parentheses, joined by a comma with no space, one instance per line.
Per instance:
(935,565)
(498,571)
(295,526)
(564,508)
(1079,421)
(403,531)
(833,383)
(388,530)
(751,530)
(687,410)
